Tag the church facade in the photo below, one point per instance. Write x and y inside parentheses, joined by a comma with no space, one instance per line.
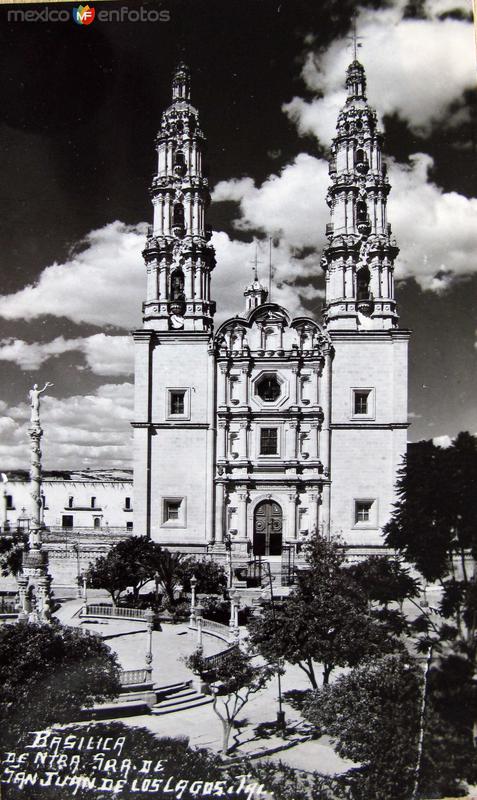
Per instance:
(256,435)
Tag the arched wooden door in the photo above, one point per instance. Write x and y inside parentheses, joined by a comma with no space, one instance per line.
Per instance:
(267,529)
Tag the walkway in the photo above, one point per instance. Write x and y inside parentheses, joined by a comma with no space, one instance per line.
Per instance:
(201,725)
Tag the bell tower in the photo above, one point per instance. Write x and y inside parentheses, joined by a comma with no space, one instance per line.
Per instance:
(369,366)
(179,258)
(359,258)
(174,430)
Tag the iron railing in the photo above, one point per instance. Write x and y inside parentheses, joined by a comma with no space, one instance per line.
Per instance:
(91,610)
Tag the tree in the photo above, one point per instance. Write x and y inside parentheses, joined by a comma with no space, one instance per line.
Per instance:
(434,525)
(167,567)
(11,552)
(384,580)
(48,673)
(128,563)
(211,578)
(325,619)
(372,713)
(234,679)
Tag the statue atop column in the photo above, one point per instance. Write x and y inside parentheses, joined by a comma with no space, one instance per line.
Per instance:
(34,582)
(34,395)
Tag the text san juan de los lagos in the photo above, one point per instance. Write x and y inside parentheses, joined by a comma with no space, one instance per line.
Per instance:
(51,760)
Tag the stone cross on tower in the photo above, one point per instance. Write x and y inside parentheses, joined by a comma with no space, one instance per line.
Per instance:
(255,293)
(34,581)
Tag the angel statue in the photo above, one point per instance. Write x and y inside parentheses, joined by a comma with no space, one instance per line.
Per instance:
(34,395)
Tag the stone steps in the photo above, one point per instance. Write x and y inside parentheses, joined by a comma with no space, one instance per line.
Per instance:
(178,697)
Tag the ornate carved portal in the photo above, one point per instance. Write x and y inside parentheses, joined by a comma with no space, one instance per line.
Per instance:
(267,529)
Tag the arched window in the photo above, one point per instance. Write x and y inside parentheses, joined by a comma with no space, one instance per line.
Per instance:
(361,211)
(177,285)
(362,283)
(178,214)
(179,163)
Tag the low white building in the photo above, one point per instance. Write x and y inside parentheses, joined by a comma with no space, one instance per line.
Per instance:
(80,500)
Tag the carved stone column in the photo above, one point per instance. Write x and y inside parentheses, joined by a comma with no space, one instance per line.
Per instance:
(22,581)
(314,440)
(316,386)
(243,449)
(219,513)
(292,515)
(222,440)
(243,498)
(313,511)
(223,385)
(290,441)
(294,386)
(243,386)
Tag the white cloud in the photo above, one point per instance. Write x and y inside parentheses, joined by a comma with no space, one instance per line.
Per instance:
(285,204)
(416,68)
(102,283)
(289,207)
(442,441)
(104,355)
(80,431)
(435,230)
(234,272)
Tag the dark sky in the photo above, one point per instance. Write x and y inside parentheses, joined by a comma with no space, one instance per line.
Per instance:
(79,110)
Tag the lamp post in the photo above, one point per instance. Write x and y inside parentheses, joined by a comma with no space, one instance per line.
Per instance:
(156,583)
(228,559)
(149,619)
(280,712)
(198,616)
(193,585)
(85,587)
(78,576)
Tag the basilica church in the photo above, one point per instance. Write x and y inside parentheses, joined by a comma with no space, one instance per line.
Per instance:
(252,436)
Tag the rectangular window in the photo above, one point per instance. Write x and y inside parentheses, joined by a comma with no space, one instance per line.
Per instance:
(361,398)
(70,502)
(177,403)
(129,526)
(363,511)
(127,503)
(93,502)
(172,509)
(67,521)
(9,500)
(269,441)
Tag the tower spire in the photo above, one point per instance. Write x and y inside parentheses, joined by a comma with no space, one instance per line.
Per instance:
(255,293)
(181,82)
(178,255)
(359,259)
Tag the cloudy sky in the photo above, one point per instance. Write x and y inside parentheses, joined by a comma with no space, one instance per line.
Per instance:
(79,110)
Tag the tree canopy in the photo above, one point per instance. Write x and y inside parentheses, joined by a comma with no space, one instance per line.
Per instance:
(325,619)
(231,681)
(48,673)
(372,713)
(434,527)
